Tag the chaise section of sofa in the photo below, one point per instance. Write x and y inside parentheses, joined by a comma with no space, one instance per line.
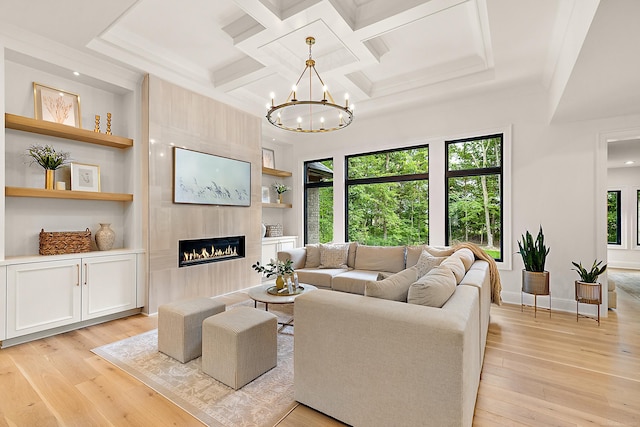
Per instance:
(374,362)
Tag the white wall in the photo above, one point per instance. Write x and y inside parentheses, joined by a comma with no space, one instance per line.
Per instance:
(627,181)
(554,175)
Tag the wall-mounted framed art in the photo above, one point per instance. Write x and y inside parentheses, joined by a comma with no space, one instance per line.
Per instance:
(268,158)
(207,179)
(84,177)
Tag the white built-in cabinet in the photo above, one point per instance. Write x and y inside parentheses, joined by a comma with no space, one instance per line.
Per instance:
(46,294)
(50,294)
(272,245)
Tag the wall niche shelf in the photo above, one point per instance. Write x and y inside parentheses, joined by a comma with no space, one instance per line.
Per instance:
(277,205)
(276,172)
(57,130)
(66,194)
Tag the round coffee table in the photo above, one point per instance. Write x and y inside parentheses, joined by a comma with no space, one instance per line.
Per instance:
(260,294)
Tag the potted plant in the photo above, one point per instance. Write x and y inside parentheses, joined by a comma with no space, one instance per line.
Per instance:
(535,279)
(275,268)
(50,159)
(587,289)
(280,189)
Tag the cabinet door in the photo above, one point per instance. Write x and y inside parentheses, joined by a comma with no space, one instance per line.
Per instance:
(108,285)
(42,296)
(269,252)
(286,244)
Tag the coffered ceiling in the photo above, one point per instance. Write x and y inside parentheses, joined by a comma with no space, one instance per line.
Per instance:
(383,53)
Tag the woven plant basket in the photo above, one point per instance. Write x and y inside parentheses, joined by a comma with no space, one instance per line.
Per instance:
(274,230)
(64,242)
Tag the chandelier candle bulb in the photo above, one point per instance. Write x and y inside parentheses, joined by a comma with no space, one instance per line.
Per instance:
(293,89)
(272,95)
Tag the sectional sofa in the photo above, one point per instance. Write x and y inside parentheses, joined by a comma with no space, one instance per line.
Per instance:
(366,357)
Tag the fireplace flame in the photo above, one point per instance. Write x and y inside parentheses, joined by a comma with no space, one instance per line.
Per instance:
(205,254)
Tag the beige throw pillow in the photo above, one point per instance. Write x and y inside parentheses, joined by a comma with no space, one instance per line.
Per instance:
(394,287)
(434,288)
(334,255)
(466,256)
(380,258)
(383,275)
(426,262)
(456,266)
(313,256)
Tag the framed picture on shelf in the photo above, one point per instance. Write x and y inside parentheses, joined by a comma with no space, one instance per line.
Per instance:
(268,158)
(84,177)
(55,105)
(266,197)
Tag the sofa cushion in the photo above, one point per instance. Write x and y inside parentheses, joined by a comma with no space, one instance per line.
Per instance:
(353,281)
(380,258)
(434,288)
(334,255)
(313,256)
(320,278)
(394,287)
(456,266)
(413,254)
(351,258)
(426,262)
(466,256)
(439,250)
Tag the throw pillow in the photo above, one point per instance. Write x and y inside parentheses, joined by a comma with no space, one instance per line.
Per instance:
(334,255)
(466,256)
(433,289)
(394,287)
(456,266)
(426,262)
(380,258)
(313,256)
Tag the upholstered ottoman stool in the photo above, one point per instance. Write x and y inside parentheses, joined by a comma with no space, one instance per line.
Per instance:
(180,326)
(239,345)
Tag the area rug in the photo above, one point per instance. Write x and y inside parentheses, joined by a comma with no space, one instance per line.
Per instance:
(262,402)
(627,281)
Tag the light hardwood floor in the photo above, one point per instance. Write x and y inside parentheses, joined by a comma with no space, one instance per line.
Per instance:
(537,372)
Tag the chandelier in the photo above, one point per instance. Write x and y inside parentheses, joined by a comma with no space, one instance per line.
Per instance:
(309,116)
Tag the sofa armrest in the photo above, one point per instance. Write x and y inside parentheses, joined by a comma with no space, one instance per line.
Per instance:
(297,255)
(373,362)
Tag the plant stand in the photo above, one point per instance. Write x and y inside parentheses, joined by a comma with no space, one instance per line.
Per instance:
(535,283)
(588,293)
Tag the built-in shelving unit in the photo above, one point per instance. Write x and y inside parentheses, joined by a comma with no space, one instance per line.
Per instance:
(277,205)
(65,194)
(42,127)
(276,172)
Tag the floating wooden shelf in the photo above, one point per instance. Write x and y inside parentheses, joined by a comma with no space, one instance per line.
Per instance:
(66,194)
(57,130)
(275,172)
(277,205)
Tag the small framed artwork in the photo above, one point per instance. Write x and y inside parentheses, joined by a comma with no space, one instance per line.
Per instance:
(268,158)
(55,105)
(266,197)
(85,177)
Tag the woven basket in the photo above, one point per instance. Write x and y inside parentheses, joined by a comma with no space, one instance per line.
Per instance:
(64,242)
(274,230)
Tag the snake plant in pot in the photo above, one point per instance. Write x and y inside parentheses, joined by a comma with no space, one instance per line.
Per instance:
(587,290)
(535,279)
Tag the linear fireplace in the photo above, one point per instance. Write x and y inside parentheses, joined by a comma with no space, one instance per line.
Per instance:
(214,249)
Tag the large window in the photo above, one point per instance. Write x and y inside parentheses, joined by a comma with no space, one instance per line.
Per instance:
(387,197)
(474,193)
(318,201)
(613,217)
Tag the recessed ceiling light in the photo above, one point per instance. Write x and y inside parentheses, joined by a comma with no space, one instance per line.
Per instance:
(75,73)
(629,162)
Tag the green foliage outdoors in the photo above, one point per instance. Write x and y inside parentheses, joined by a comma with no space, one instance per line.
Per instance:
(534,253)
(612,217)
(474,200)
(389,213)
(589,276)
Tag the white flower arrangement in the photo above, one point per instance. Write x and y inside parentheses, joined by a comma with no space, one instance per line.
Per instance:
(280,188)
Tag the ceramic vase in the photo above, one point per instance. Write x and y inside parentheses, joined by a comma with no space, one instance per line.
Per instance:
(105,237)
(49,177)
(279,197)
(264,230)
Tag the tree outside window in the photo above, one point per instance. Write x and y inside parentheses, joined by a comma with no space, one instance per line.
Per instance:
(474,193)
(613,217)
(387,197)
